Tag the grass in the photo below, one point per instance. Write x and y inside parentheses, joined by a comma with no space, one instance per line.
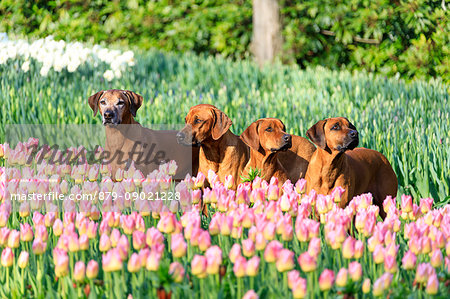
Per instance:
(409,123)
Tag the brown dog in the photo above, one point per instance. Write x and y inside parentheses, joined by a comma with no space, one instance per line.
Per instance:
(266,138)
(275,152)
(337,162)
(127,140)
(220,150)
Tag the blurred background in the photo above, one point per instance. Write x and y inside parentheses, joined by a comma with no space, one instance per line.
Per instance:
(409,39)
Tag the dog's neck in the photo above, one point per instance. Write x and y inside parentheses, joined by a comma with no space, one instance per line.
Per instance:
(117,135)
(215,150)
(332,163)
(268,163)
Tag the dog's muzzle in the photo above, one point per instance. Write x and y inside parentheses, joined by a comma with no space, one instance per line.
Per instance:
(109,118)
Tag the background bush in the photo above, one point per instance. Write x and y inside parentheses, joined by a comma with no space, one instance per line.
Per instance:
(410,38)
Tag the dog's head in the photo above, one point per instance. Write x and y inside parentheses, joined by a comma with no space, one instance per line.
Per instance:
(334,134)
(267,135)
(203,123)
(116,106)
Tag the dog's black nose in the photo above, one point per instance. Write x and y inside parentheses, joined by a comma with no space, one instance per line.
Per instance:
(180,135)
(286,137)
(353,133)
(108,114)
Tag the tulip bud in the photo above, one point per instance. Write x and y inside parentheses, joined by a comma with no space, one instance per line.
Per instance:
(436,258)
(341,278)
(253,266)
(7,257)
(176,270)
(366,286)
(198,266)
(355,271)
(92,269)
(79,271)
(409,260)
(285,260)
(239,267)
(22,262)
(134,263)
(432,285)
(299,289)
(326,280)
(250,295)
(307,262)
(178,246)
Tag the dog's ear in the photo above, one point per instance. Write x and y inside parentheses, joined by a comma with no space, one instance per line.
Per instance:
(317,135)
(284,126)
(93,101)
(135,101)
(350,125)
(220,125)
(251,137)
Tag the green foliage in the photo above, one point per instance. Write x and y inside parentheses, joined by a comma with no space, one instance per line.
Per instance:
(252,174)
(407,122)
(409,38)
(384,36)
(218,26)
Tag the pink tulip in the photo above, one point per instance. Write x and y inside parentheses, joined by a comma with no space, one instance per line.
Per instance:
(285,260)
(134,263)
(348,248)
(92,269)
(300,186)
(355,271)
(176,270)
(39,246)
(154,236)
(326,280)
(79,271)
(22,261)
(14,239)
(359,249)
(114,237)
(341,278)
(299,289)
(167,223)
(253,266)
(105,243)
(138,240)
(307,262)
(426,205)
(248,248)
(378,254)
(436,259)
(58,227)
(112,260)
(7,257)
(213,259)
(61,261)
(204,240)
(272,250)
(314,247)
(198,266)
(235,252)
(406,204)
(409,260)
(273,192)
(366,286)
(250,295)
(178,246)
(239,267)
(432,285)
(378,287)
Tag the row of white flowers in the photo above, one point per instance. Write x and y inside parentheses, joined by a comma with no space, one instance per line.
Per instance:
(59,55)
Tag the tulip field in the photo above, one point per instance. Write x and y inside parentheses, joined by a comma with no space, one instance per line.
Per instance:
(92,238)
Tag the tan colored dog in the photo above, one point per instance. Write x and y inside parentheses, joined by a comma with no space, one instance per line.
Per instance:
(127,140)
(266,138)
(337,162)
(220,150)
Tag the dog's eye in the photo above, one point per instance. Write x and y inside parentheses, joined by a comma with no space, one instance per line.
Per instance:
(102,102)
(269,129)
(120,103)
(335,127)
(197,121)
